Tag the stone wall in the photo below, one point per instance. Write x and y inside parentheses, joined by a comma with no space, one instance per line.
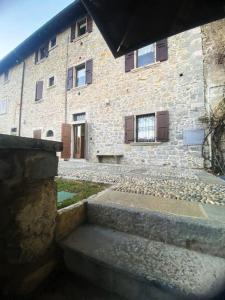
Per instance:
(28,212)
(175,85)
(213,38)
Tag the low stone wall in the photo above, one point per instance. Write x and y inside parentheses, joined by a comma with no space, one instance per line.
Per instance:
(28,212)
(69,218)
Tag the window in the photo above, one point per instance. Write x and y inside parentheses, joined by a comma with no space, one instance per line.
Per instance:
(80,75)
(146,55)
(79,117)
(49,133)
(145,128)
(13,131)
(53,42)
(51,81)
(82,27)
(39,90)
(3,107)
(6,76)
(42,52)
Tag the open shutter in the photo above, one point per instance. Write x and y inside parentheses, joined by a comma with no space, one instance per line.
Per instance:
(66,140)
(36,56)
(162,121)
(70,79)
(37,134)
(129,61)
(129,129)
(73,32)
(162,50)
(89,24)
(39,90)
(89,70)
(46,49)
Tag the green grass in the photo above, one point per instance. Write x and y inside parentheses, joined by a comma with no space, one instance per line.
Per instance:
(83,190)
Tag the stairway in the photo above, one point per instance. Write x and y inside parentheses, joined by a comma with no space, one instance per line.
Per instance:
(142,255)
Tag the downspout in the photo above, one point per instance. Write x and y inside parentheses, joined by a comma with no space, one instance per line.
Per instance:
(21,98)
(67,55)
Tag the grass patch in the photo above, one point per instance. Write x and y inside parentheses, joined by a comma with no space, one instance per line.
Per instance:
(83,190)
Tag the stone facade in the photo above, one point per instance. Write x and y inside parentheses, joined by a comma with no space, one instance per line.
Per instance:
(175,85)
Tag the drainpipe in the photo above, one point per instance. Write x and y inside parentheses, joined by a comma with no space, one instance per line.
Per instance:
(67,55)
(21,98)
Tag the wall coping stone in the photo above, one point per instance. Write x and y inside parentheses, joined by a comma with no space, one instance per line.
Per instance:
(17,142)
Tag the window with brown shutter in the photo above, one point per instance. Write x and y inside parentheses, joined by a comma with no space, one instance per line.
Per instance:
(129,61)
(162,50)
(39,90)
(89,24)
(73,32)
(162,122)
(89,70)
(129,129)
(70,79)
(66,140)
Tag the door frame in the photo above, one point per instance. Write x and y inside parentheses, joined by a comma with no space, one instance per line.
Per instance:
(74,125)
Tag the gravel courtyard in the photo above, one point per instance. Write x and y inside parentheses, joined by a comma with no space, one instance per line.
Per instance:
(172,183)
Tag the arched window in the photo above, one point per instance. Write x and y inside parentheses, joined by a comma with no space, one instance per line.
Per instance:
(49,133)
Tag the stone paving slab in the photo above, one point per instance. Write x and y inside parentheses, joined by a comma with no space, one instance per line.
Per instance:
(148,202)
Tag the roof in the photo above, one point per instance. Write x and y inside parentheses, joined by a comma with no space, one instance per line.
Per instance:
(130,24)
(48,30)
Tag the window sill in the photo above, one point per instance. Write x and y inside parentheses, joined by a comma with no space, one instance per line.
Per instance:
(40,61)
(51,87)
(146,67)
(145,143)
(3,114)
(50,49)
(38,101)
(77,39)
(6,82)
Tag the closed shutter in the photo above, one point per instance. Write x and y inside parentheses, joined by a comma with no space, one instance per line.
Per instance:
(37,134)
(129,129)
(89,71)
(39,90)
(36,56)
(73,32)
(162,50)
(89,24)
(129,61)
(70,79)
(66,140)
(162,121)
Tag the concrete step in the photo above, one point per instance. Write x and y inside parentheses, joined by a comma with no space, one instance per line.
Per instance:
(197,233)
(138,269)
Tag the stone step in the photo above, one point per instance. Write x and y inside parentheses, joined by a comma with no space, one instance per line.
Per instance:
(194,233)
(138,269)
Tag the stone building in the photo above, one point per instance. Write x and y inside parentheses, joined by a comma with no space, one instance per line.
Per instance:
(63,83)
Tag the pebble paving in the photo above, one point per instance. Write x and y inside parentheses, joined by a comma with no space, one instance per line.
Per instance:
(167,182)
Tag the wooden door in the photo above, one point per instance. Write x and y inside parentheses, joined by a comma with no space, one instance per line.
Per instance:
(79,141)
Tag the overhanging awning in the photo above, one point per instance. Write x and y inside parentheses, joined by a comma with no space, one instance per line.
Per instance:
(127,25)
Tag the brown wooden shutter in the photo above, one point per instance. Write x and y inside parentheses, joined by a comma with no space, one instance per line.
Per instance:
(66,140)
(70,79)
(129,129)
(73,32)
(89,71)
(37,134)
(162,122)
(129,61)
(162,50)
(39,90)
(89,24)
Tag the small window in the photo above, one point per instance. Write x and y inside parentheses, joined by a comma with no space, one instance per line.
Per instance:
(42,52)
(6,76)
(80,75)
(13,131)
(39,90)
(3,107)
(145,128)
(49,133)
(53,42)
(146,55)
(82,27)
(51,81)
(79,117)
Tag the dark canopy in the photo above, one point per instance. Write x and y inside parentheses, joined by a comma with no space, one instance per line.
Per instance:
(128,25)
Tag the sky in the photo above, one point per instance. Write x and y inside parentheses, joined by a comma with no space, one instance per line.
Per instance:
(20,18)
